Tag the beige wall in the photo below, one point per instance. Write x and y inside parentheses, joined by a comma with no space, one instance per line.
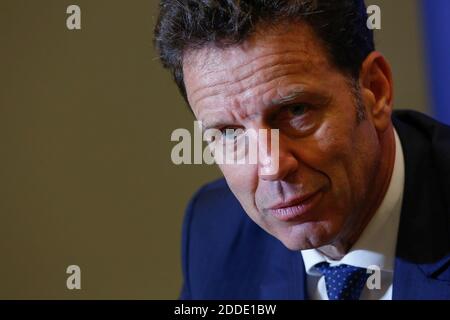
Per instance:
(85,124)
(400,40)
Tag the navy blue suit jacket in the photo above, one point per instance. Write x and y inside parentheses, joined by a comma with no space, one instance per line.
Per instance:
(225,255)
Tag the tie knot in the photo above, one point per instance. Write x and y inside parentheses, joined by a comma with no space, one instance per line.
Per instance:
(343,282)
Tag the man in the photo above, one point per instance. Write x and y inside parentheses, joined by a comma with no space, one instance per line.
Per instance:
(358,191)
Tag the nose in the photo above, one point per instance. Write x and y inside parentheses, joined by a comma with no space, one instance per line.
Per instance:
(276,160)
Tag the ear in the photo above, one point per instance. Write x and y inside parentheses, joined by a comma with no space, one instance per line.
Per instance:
(377,90)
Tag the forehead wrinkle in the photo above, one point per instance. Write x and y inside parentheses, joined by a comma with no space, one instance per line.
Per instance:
(235,112)
(202,65)
(237,88)
(296,37)
(251,106)
(244,98)
(298,56)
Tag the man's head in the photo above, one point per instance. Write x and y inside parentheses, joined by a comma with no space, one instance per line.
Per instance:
(307,68)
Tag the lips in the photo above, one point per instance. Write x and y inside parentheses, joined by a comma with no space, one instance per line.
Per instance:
(296,208)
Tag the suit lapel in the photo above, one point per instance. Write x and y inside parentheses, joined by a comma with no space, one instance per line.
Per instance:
(411,282)
(422,245)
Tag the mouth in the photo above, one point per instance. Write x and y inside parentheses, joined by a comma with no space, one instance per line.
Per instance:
(296,208)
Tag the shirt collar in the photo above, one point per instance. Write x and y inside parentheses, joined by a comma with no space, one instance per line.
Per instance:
(376,245)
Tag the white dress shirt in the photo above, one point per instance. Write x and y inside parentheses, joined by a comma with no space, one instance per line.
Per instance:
(375,246)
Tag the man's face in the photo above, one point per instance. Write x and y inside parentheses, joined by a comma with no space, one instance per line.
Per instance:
(283,80)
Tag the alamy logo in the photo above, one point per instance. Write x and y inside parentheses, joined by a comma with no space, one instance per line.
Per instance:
(374,280)
(229,147)
(73,22)
(374,19)
(73,282)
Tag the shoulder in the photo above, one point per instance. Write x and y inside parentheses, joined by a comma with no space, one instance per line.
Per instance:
(412,124)
(426,205)
(214,217)
(212,204)
(426,139)
(220,243)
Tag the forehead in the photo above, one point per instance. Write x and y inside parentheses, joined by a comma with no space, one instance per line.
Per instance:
(270,60)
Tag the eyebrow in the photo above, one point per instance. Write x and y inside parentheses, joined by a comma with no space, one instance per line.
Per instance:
(215,124)
(318,97)
(288,98)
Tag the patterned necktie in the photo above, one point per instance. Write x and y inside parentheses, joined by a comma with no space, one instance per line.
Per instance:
(343,282)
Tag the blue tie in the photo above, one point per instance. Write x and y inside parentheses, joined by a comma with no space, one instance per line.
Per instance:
(343,282)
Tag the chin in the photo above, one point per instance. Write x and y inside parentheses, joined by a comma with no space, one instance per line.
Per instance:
(295,246)
(304,236)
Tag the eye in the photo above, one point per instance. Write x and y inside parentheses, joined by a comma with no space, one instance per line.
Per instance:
(231,133)
(296,119)
(297,109)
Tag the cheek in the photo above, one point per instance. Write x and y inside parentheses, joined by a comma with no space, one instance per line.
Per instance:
(346,153)
(334,154)
(243,181)
(329,150)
